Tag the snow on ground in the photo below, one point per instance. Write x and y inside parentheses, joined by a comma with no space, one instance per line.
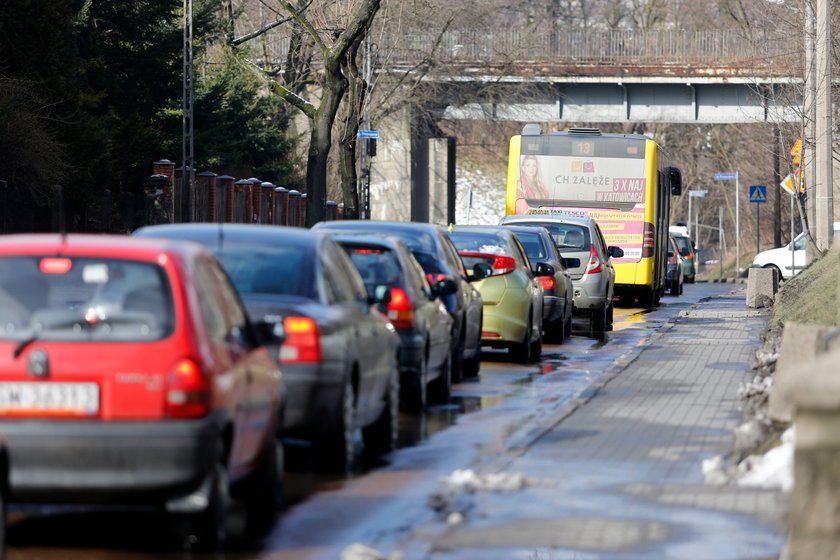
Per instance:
(774,469)
(488,198)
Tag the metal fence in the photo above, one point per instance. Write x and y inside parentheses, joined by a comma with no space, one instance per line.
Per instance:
(774,51)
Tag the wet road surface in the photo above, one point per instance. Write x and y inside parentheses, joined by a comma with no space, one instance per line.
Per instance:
(487,419)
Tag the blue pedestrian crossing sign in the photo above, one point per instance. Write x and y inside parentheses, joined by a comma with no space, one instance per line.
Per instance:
(758,193)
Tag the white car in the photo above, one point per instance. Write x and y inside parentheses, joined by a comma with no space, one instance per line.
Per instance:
(781,259)
(785,260)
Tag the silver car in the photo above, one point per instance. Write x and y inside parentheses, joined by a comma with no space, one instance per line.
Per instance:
(594,278)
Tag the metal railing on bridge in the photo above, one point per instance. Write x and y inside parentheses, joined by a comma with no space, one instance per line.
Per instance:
(728,51)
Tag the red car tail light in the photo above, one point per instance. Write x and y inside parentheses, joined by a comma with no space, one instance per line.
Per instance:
(400,310)
(547,282)
(501,265)
(594,265)
(187,391)
(303,343)
(648,240)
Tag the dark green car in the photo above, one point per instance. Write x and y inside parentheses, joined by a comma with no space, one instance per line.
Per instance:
(689,257)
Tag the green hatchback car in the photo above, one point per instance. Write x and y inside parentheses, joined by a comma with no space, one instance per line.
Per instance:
(689,257)
(509,287)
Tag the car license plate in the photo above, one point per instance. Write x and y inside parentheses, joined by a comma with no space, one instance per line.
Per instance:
(49,399)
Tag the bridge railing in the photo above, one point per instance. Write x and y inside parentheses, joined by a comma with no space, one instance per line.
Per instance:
(708,48)
(775,52)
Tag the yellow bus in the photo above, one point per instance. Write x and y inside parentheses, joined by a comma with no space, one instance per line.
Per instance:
(621,180)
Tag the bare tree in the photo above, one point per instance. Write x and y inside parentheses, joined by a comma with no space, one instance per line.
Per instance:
(332,29)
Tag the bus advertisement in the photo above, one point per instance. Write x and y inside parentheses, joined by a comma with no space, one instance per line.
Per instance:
(617,179)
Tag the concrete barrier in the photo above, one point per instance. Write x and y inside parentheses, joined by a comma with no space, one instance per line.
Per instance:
(814,519)
(762,285)
(801,343)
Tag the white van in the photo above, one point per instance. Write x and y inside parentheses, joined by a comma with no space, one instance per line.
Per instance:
(781,259)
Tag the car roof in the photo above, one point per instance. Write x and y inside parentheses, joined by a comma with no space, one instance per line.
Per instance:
(376,225)
(519,228)
(116,246)
(206,233)
(482,229)
(556,218)
(364,239)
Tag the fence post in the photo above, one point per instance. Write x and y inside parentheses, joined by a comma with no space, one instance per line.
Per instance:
(205,196)
(166,206)
(302,211)
(224,199)
(293,218)
(267,202)
(157,204)
(331,210)
(281,206)
(254,200)
(241,207)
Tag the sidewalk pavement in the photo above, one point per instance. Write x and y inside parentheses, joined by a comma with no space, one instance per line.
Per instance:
(621,477)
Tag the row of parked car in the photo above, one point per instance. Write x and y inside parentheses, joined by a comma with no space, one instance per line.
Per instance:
(166,368)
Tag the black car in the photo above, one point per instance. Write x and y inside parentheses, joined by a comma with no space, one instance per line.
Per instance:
(558,290)
(433,249)
(414,308)
(339,357)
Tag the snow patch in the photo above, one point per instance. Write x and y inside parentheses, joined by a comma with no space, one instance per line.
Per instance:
(358,551)
(774,469)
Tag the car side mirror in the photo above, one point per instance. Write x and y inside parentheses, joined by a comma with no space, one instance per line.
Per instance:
(675,180)
(445,287)
(670,254)
(381,295)
(615,252)
(270,332)
(481,271)
(543,269)
(570,262)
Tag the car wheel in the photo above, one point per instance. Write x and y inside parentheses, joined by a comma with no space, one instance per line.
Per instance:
(457,366)
(207,530)
(381,436)
(413,396)
(777,269)
(536,349)
(567,327)
(608,325)
(682,287)
(263,490)
(440,388)
(521,352)
(339,447)
(675,288)
(555,331)
(598,321)
(473,365)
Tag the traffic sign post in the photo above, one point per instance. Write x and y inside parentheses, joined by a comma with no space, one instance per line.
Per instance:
(758,194)
(691,195)
(734,177)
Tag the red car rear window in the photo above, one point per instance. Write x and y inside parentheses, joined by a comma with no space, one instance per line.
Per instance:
(83,299)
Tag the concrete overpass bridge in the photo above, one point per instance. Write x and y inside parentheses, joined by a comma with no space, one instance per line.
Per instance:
(567,76)
(607,77)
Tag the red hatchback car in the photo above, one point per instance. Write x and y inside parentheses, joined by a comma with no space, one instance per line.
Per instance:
(131,374)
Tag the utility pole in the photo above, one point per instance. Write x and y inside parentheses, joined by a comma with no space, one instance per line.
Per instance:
(187,144)
(823,180)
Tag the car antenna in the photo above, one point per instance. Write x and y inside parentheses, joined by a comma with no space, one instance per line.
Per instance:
(221,236)
(62,224)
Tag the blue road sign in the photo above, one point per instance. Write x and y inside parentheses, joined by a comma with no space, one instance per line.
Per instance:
(374,134)
(725,176)
(758,193)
